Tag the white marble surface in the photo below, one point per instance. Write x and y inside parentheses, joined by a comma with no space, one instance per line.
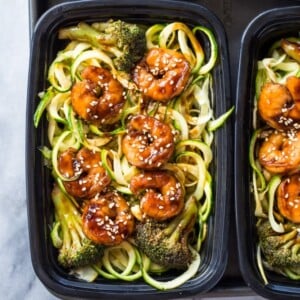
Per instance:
(17,278)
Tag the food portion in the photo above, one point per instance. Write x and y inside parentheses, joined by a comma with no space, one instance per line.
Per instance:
(148,143)
(130,129)
(98,98)
(167,243)
(162,74)
(275,159)
(75,249)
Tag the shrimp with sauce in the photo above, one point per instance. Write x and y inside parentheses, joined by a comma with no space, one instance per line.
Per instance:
(162,74)
(107,219)
(149,142)
(99,97)
(288,198)
(163,197)
(90,177)
(292,49)
(279,104)
(279,153)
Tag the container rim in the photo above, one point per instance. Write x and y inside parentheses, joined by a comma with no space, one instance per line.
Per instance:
(268,20)
(60,286)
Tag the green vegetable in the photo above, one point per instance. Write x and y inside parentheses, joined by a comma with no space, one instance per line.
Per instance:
(213,48)
(124,41)
(252,160)
(177,281)
(281,250)
(45,100)
(166,243)
(272,187)
(220,121)
(75,249)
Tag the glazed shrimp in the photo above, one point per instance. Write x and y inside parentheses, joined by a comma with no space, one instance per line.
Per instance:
(149,142)
(107,220)
(279,105)
(293,85)
(280,152)
(98,98)
(292,49)
(85,166)
(288,198)
(162,74)
(164,195)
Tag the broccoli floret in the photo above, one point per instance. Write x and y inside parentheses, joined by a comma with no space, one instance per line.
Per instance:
(279,249)
(125,42)
(75,249)
(166,243)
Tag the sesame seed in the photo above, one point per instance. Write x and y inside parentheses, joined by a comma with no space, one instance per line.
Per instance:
(92,210)
(111,205)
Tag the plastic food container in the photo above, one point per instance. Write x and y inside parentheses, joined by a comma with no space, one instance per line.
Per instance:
(39,183)
(257,39)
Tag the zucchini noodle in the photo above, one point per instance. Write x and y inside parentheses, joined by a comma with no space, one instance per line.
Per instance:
(190,116)
(277,248)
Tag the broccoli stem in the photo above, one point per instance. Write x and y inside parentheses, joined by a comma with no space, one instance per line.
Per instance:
(82,32)
(182,222)
(55,235)
(76,250)
(288,237)
(67,240)
(74,230)
(123,42)
(69,218)
(295,249)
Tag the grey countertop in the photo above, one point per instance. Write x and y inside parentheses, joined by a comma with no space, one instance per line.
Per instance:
(17,278)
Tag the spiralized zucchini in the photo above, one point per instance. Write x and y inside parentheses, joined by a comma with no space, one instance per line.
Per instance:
(277,247)
(190,115)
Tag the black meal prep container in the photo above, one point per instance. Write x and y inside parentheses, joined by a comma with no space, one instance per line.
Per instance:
(260,34)
(44,47)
